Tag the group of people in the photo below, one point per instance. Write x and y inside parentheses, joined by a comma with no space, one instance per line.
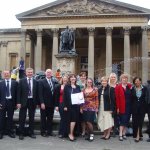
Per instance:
(111,105)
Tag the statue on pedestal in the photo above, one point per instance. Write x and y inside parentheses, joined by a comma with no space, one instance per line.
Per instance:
(67,41)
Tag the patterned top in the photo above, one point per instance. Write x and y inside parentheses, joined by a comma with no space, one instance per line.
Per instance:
(91,101)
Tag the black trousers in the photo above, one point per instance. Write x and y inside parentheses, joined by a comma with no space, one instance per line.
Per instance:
(22,116)
(7,124)
(148,112)
(47,120)
(137,123)
(63,121)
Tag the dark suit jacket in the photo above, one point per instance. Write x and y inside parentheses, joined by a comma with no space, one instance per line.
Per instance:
(109,98)
(23,90)
(138,107)
(45,94)
(14,85)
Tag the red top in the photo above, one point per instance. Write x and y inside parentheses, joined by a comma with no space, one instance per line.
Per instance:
(120,97)
(61,95)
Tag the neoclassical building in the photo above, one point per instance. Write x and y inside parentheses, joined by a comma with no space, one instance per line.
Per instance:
(109,36)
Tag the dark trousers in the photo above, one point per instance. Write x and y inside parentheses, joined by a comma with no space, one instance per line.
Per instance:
(137,123)
(7,124)
(47,120)
(21,74)
(148,112)
(22,116)
(63,121)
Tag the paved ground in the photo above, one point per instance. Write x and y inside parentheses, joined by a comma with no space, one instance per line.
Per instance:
(54,143)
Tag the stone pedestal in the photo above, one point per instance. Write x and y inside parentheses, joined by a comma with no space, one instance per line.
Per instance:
(66,63)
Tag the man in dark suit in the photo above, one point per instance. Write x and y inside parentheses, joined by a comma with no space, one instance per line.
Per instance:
(8,96)
(27,99)
(46,96)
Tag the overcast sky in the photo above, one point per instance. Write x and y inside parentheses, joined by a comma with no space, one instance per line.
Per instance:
(9,8)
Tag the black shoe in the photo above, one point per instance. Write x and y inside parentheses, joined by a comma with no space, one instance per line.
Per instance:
(44,134)
(32,136)
(21,137)
(148,140)
(12,135)
(51,134)
(120,138)
(137,140)
(60,136)
(1,136)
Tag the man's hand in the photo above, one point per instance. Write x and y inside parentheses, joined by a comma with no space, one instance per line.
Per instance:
(65,109)
(43,106)
(57,109)
(0,106)
(18,106)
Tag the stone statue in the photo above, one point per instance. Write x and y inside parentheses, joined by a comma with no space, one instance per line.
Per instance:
(67,41)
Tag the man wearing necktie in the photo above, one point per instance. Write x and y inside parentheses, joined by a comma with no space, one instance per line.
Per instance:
(8,96)
(46,96)
(27,100)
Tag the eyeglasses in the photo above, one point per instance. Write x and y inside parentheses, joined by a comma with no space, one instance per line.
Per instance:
(89,82)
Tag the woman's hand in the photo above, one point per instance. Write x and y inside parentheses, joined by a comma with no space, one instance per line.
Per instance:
(65,109)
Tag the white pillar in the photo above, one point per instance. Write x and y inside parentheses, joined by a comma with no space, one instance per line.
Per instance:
(144,54)
(108,50)
(55,49)
(91,53)
(38,52)
(127,51)
(23,44)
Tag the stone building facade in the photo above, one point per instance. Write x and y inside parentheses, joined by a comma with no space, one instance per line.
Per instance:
(109,35)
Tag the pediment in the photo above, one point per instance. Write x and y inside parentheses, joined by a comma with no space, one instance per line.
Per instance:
(83,8)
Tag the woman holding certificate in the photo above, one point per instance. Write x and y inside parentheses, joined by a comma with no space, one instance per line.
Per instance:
(70,106)
(90,107)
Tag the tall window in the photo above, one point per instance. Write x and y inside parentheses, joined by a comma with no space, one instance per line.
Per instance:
(13,60)
(27,60)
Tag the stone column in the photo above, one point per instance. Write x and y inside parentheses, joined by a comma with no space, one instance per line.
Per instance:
(108,50)
(91,53)
(32,52)
(23,44)
(144,54)
(55,49)
(127,50)
(38,52)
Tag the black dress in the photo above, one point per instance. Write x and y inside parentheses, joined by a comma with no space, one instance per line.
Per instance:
(73,110)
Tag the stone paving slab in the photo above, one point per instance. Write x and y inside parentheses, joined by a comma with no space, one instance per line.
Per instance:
(54,143)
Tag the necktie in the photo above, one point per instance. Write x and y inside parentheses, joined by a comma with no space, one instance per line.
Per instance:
(51,86)
(29,84)
(7,89)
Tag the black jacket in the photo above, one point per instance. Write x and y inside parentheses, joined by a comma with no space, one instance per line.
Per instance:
(109,98)
(67,94)
(45,94)
(14,85)
(23,90)
(138,105)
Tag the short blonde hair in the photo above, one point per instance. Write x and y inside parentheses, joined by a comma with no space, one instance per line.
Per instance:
(104,78)
(124,76)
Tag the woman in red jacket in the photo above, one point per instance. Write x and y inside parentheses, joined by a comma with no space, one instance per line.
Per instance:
(123,104)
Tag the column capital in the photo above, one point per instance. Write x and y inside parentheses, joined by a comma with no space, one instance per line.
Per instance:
(126,30)
(144,28)
(23,30)
(39,31)
(55,31)
(109,30)
(4,43)
(91,30)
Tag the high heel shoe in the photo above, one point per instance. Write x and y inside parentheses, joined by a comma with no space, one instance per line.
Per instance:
(137,140)
(120,138)
(107,138)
